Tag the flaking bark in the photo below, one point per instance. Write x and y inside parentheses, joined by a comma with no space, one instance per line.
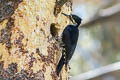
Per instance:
(27,51)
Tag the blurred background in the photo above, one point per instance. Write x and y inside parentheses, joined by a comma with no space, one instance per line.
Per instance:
(97,54)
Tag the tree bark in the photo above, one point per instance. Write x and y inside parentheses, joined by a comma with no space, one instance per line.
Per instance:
(28,50)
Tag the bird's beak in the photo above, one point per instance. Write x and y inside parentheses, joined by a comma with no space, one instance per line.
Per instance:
(66,15)
(69,16)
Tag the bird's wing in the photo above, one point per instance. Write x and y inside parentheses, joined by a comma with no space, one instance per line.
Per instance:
(66,37)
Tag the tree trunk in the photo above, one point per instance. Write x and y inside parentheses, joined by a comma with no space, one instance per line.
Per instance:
(28,50)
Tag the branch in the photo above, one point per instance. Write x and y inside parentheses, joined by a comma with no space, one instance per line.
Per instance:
(97,72)
(103,13)
(110,11)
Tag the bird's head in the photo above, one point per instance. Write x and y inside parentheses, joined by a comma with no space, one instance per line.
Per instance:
(74,18)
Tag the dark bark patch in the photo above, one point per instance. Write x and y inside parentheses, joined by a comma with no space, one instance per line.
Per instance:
(9,73)
(43,68)
(43,58)
(37,50)
(51,52)
(43,31)
(27,39)
(32,59)
(18,42)
(47,59)
(54,76)
(37,18)
(1,69)
(12,69)
(23,75)
(44,22)
(5,34)
(0,56)
(1,65)
(7,8)
(39,75)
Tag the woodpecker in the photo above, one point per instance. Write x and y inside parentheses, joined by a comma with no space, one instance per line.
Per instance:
(69,39)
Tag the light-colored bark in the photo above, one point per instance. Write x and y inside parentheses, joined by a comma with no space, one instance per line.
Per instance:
(26,50)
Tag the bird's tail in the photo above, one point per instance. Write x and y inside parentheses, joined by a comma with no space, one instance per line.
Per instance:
(60,65)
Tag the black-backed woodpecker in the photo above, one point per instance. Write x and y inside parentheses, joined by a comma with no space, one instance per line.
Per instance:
(69,38)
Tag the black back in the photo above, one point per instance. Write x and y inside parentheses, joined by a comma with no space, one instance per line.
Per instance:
(69,38)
